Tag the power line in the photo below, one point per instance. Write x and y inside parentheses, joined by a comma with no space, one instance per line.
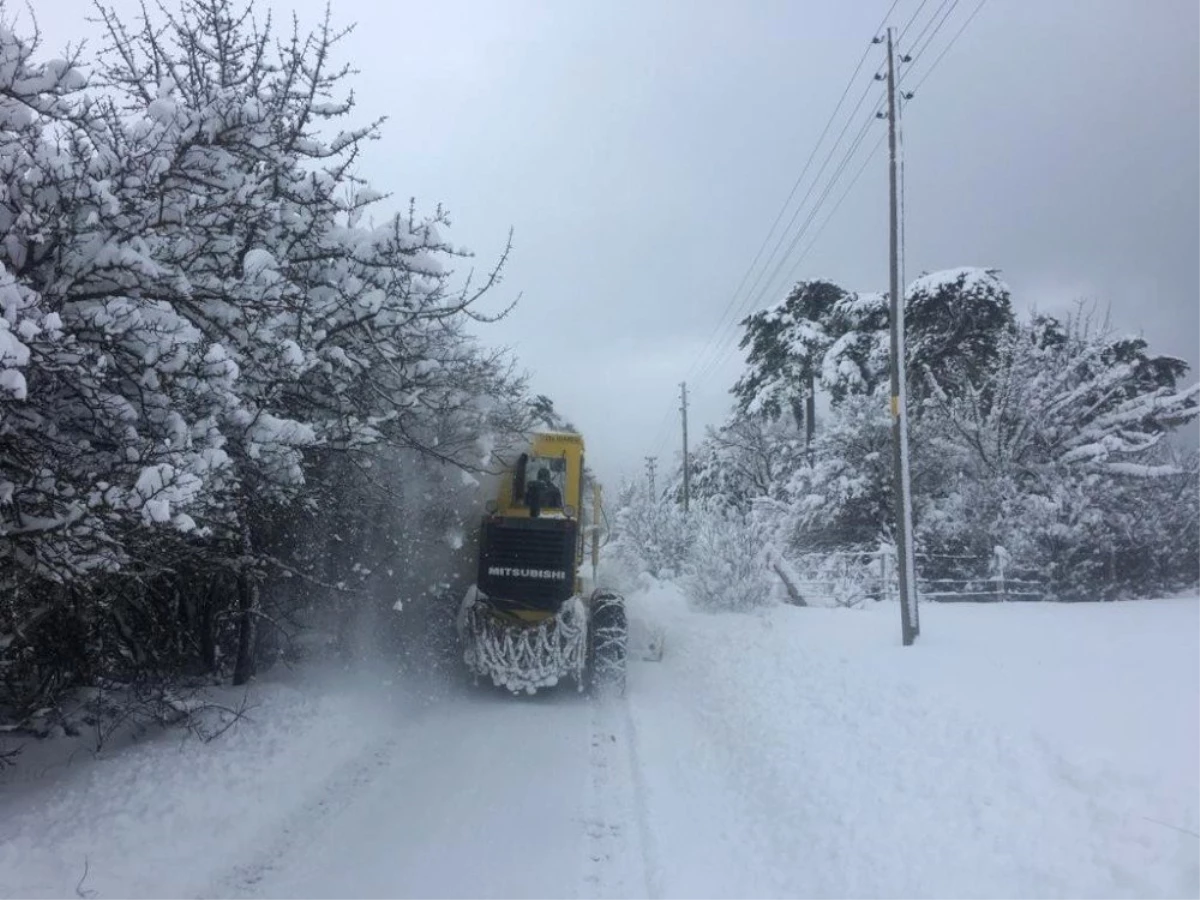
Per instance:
(833,212)
(911,19)
(858,140)
(755,296)
(903,102)
(791,194)
(714,352)
(952,42)
(875,149)
(933,18)
(941,16)
(854,145)
(729,343)
(750,299)
(721,323)
(662,431)
(944,14)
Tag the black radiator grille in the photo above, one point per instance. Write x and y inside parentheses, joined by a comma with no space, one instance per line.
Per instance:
(528,561)
(527,546)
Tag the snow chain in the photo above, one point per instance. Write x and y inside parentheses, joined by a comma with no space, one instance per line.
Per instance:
(525,657)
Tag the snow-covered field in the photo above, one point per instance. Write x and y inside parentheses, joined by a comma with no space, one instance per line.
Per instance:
(1017,750)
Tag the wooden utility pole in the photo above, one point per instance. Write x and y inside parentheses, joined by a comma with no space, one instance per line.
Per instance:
(810,411)
(901,480)
(686,467)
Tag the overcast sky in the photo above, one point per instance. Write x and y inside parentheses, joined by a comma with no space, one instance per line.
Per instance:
(642,150)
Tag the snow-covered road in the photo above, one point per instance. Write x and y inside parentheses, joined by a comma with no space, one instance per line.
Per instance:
(1038,750)
(474,798)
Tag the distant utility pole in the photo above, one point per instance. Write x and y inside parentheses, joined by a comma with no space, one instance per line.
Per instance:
(909,627)
(686,468)
(651,462)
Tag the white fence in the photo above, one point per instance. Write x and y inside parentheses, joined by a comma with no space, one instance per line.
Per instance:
(848,578)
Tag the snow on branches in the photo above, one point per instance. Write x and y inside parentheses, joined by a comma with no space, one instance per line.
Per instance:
(195,310)
(1064,395)
(1045,437)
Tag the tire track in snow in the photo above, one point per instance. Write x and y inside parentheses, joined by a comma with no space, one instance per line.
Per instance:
(605,823)
(304,823)
(440,816)
(618,847)
(651,875)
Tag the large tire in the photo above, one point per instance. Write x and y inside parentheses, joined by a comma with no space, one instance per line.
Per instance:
(608,631)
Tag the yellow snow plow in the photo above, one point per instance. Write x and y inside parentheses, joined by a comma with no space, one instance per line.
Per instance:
(527,622)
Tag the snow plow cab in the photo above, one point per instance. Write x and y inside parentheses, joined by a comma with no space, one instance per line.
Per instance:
(527,623)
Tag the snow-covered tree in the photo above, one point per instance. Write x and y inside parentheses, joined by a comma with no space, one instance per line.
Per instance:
(746,458)
(1042,438)
(1054,452)
(65,492)
(203,336)
(785,346)
(843,499)
(1065,396)
(546,415)
(825,337)
(955,322)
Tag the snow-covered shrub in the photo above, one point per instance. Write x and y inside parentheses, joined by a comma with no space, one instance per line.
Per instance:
(728,568)
(651,534)
(844,578)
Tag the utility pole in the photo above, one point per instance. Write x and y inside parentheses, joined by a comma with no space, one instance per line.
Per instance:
(686,468)
(901,480)
(651,462)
